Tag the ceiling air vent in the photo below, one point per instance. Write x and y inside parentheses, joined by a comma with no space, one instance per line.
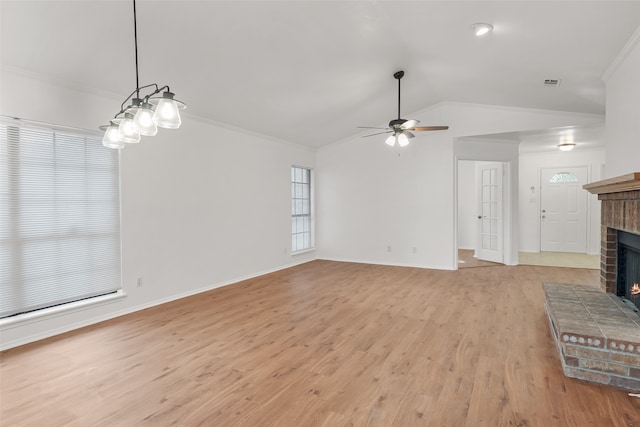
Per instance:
(551,82)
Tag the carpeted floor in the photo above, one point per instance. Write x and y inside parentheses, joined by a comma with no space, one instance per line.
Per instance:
(560,259)
(549,259)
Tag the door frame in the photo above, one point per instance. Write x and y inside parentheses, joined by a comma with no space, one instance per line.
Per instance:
(539,204)
(476,148)
(479,167)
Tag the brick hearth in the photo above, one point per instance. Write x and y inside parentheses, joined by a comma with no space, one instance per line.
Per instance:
(597,335)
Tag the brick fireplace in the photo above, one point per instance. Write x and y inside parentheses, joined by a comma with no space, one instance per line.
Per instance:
(598,334)
(620,212)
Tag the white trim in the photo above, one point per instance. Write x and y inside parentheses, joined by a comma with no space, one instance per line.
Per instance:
(5,345)
(303,251)
(46,78)
(22,122)
(118,98)
(59,310)
(210,122)
(622,55)
(521,109)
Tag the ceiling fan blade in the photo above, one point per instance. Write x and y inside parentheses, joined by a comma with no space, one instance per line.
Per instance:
(377,133)
(423,128)
(409,124)
(368,127)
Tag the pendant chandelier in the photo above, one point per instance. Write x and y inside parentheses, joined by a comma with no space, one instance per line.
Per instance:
(145,113)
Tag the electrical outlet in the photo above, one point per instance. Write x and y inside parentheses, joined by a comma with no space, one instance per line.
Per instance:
(389,248)
(139,281)
(415,250)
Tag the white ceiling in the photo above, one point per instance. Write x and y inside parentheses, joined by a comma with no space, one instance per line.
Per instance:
(311,71)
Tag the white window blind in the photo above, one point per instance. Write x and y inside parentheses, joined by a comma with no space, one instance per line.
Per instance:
(59,217)
(301,227)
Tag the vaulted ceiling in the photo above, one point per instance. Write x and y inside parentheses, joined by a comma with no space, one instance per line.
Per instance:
(312,71)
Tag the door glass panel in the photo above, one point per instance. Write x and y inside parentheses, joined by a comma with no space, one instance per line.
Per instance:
(563,177)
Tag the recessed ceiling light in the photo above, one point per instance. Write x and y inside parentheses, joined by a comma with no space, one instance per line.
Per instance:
(480,29)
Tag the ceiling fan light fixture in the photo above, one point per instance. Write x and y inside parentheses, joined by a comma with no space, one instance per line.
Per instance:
(403,140)
(400,128)
(480,29)
(391,140)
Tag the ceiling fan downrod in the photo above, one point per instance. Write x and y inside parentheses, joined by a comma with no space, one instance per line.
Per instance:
(399,121)
(398,75)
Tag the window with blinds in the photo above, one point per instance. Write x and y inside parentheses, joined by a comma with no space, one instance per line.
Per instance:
(301,227)
(59,217)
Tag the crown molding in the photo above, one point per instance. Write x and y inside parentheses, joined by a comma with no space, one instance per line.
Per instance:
(622,55)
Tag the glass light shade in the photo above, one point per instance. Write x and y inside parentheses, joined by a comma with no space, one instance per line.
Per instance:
(167,113)
(566,146)
(111,138)
(480,29)
(403,141)
(143,121)
(127,130)
(391,141)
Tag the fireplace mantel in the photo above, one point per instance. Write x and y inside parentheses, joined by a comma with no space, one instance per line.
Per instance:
(628,182)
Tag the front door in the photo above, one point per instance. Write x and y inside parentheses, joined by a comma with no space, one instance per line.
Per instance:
(490,233)
(563,210)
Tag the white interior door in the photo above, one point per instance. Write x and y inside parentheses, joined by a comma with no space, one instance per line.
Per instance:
(490,231)
(563,210)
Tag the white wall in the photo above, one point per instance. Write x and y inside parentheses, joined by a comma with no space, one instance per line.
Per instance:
(530,165)
(202,206)
(370,199)
(622,132)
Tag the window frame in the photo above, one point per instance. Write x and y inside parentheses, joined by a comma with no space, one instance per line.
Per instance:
(294,249)
(114,289)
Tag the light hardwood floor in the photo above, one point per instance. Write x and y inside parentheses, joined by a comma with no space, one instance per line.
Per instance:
(321,344)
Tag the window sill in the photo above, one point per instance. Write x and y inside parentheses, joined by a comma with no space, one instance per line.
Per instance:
(304,251)
(40,315)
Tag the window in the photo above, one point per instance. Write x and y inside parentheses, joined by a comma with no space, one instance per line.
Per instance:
(301,235)
(563,177)
(59,217)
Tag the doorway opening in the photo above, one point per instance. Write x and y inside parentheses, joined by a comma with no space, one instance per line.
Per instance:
(481,213)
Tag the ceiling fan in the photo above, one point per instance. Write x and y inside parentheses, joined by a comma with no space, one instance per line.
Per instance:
(401,129)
